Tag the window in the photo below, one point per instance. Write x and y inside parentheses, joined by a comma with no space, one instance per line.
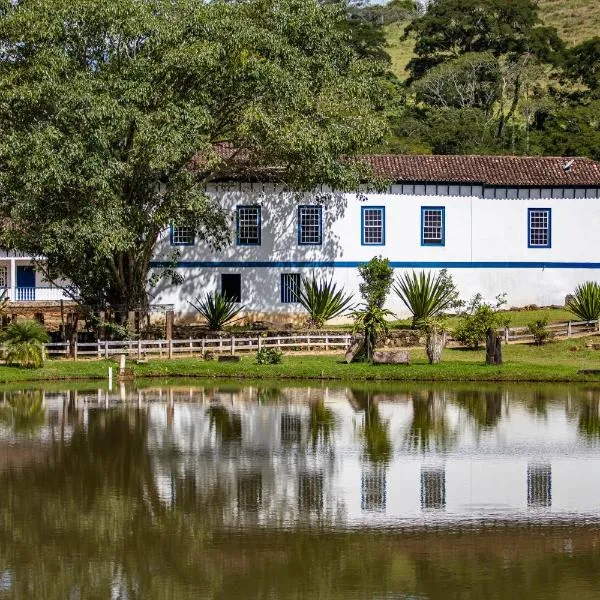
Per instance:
(433,488)
(538,225)
(290,287)
(539,485)
(432,225)
(310,225)
(373,493)
(182,235)
(3,277)
(373,226)
(248,225)
(231,286)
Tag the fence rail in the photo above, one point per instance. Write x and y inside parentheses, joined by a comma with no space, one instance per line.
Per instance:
(191,347)
(235,345)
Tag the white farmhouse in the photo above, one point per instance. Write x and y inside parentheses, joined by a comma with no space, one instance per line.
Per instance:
(527,226)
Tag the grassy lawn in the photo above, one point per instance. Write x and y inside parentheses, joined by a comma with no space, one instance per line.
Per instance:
(558,361)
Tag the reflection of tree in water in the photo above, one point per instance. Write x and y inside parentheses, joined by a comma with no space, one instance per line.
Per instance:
(537,404)
(484,408)
(268,395)
(23,412)
(589,416)
(227,425)
(322,424)
(375,430)
(429,429)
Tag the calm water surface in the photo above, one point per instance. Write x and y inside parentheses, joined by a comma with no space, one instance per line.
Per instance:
(220,491)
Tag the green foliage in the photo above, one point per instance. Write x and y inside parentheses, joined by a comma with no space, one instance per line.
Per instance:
(478,317)
(23,344)
(583,63)
(370,320)
(377,278)
(322,300)
(23,412)
(585,302)
(539,330)
(426,295)
(217,309)
(208,355)
(104,100)
(269,356)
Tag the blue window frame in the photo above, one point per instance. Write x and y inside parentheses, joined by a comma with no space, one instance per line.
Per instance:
(433,226)
(310,225)
(248,225)
(182,235)
(539,227)
(290,287)
(372,225)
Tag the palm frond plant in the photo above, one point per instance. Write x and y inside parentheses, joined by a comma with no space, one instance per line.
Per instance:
(585,302)
(23,344)
(218,310)
(323,300)
(371,321)
(426,295)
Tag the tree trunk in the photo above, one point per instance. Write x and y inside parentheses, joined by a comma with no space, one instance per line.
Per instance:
(493,348)
(436,342)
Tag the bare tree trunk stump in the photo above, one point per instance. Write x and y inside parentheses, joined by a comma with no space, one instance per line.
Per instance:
(493,348)
(436,342)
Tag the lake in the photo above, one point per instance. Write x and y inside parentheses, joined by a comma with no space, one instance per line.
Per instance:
(219,490)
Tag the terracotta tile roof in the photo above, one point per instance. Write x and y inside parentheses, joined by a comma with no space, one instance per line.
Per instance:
(542,171)
(488,170)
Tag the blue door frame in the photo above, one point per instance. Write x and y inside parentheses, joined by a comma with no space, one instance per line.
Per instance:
(25,283)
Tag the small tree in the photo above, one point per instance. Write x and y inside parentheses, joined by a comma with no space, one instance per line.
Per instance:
(478,317)
(539,330)
(377,278)
(370,320)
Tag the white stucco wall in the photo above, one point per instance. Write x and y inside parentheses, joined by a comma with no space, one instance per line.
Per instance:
(485,249)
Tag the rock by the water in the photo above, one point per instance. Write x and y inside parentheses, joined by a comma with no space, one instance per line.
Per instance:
(390,358)
(352,350)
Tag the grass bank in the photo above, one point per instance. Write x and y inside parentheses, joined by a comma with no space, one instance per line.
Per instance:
(558,361)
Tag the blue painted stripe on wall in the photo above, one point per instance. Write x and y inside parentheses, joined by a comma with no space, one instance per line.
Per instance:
(188,264)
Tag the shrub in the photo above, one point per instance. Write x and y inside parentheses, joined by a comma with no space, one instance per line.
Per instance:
(209,355)
(269,356)
(24,344)
(477,319)
(323,301)
(370,320)
(539,330)
(585,302)
(377,278)
(217,309)
(427,296)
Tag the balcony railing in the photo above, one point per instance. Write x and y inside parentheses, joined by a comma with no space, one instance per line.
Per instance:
(34,294)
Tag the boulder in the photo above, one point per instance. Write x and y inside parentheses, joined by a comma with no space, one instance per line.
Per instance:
(228,358)
(390,358)
(353,349)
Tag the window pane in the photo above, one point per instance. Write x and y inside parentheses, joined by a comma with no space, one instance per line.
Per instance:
(432,225)
(539,227)
(373,223)
(309,220)
(231,286)
(182,235)
(3,277)
(248,225)
(290,287)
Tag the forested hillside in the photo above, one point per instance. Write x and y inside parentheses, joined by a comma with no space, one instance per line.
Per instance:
(489,76)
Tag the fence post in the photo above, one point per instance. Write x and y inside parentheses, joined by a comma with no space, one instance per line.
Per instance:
(170,349)
(232,345)
(191,347)
(203,345)
(140,349)
(68,349)
(506,334)
(326,342)
(569,331)
(75,345)
(160,348)
(259,343)
(99,349)
(220,344)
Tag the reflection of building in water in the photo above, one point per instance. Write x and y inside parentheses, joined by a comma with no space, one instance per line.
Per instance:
(373,492)
(310,492)
(539,485)
(249,491)
(291,429)
(433,488)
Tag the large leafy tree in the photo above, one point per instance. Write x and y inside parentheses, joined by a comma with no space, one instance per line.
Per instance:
(105,105)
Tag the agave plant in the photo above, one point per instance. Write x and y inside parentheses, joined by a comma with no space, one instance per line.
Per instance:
(24,344)
(218,309)
(322,300)
(585,302)
(426,295)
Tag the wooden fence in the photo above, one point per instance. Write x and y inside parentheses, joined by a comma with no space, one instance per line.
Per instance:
(191,347)
(235,345)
